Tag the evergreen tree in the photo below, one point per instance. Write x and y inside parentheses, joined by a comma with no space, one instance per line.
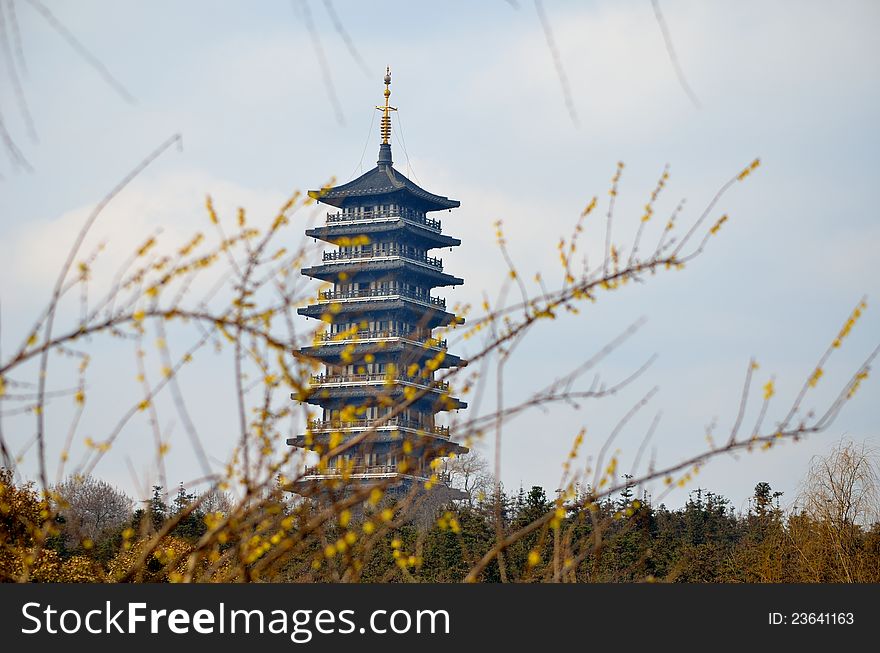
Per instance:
(157,509)
(191,525)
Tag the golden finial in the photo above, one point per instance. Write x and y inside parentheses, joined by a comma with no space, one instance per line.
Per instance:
(385,127)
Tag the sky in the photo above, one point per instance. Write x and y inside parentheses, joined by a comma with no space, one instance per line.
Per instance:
(484,120)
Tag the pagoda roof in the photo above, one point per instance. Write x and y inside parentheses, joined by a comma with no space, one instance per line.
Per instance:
(380,181)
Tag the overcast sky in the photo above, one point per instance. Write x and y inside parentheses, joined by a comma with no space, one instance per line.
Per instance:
(485,121)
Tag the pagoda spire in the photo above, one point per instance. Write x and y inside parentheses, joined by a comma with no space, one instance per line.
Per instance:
(385,124)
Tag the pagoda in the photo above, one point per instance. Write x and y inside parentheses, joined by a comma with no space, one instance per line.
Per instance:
(378,351)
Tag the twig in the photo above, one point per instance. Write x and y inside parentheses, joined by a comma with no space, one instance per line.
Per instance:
(82,51)
(557,62)
(670,50)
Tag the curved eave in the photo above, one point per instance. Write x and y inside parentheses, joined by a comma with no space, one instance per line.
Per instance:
(428,316)
(333,482)
(371,394)
(382,182)
(331,233)
(330,351)
(330,271)
(433,444)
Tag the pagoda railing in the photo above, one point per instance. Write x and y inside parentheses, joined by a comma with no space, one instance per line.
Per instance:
(384,470)
(407,214)
(327,336)
(326,425)
(381,377)
(360,469)
(340,255)
(382,292)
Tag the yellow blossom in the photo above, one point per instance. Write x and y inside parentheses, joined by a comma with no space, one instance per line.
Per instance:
(747,171)
(344,518)
(209,205)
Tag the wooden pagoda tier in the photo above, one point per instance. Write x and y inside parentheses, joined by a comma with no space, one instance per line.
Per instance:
(379,352)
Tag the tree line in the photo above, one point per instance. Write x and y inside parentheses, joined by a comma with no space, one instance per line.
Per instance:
(832,535)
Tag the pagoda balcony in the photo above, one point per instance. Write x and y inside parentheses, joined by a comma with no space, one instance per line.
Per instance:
(324,380)
(408,215)
(383,254)
(336,348)
(367,336)
(382,265)
(363,424)
(381,293)
(430,312)
(372,471)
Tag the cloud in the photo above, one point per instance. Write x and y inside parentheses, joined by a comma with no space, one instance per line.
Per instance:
(170,207)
